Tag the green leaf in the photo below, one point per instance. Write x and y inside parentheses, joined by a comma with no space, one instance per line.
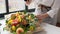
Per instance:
(14,32)
(5,28)
(36,19)
(26,29)
(23,33)
(32,15)
(6,21)
(25,11)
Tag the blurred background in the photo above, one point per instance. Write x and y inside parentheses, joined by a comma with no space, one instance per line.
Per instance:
(11,6)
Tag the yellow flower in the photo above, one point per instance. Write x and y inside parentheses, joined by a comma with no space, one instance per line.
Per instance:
(29,17)
(31,28)
(17,12)
(13,28)
(10,21)
(22,13)
(19,18)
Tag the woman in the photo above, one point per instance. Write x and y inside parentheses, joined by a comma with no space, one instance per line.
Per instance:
(47,16)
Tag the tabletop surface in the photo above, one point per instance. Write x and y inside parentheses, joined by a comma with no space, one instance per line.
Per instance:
(48,29)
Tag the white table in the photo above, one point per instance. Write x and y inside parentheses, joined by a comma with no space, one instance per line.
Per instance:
(48,29)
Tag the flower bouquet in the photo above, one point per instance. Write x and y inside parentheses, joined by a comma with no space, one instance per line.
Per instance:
(21,23)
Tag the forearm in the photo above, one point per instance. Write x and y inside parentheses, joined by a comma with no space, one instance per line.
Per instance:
(42,16)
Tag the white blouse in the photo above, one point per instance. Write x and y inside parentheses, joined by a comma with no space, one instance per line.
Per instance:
(51,3)
(54,4)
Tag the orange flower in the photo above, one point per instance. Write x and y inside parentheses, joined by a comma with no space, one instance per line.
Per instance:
(13,28)
(17,13)
(22,16)
(24,22)
(19,30)
(15,22)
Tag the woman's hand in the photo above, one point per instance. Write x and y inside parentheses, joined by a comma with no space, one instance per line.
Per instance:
(42,16)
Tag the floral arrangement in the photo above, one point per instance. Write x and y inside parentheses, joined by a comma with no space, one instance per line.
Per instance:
(21,23)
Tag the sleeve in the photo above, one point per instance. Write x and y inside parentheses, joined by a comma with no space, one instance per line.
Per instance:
(52,12)
(47,2)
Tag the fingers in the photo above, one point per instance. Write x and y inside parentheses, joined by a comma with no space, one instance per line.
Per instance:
(38,16)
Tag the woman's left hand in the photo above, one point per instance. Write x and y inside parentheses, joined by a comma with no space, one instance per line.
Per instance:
(42,16)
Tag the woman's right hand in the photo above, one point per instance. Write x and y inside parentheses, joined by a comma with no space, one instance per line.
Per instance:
(28,2)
